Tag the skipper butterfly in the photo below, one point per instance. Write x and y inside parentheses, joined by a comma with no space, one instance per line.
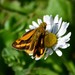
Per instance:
(32,42)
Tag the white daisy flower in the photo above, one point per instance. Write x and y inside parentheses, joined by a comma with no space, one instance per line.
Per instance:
(57,38)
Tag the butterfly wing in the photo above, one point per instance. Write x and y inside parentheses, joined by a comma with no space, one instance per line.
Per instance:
(24,41)
(39,48)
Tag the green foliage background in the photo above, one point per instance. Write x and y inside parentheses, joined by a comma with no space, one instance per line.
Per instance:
(15,17)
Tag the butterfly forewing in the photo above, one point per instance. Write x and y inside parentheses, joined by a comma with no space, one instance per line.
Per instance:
(24,41)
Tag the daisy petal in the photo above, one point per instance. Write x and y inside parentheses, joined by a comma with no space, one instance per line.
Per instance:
(48,52)
(64,46)
(55,28)
(59,43)
(31,27)
(58,52)
(48,27)
(39,21)
(46,19)
(65,38)
(59,23)
(56,19)
(51,20)
(27,30)
(55,46)
(35,24)
(56,25)
(63,29)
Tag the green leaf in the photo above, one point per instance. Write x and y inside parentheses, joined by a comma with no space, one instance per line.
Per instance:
(72,66)
(7,25)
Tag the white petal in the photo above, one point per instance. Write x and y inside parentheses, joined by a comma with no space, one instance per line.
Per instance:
(64,46)
(46,19)
(27,30)
(59,43)
(56,19)
(55,46)
(65,38)
(48,27)
(31,27)
(48,52)
(56,25)
(59,23)
(39,21)
(63,29)
(35,24)
(51,20)
(55,28)
(58,52)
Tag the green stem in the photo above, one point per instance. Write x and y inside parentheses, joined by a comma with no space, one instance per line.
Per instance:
(69,68)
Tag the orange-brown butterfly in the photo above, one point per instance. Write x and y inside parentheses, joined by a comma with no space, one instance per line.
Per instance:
(32,42)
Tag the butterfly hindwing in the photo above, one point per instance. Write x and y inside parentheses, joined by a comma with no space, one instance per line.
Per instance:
(39,48)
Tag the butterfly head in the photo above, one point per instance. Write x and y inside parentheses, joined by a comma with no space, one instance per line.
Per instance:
(43,25)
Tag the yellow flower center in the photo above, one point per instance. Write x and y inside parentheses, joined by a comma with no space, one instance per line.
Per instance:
(50,40)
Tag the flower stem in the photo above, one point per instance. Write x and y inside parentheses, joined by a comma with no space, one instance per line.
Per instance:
(67,65)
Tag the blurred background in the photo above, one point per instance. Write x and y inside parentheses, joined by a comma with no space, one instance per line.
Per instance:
(15,17)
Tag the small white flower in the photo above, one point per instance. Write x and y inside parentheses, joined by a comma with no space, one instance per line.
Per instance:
(57,27)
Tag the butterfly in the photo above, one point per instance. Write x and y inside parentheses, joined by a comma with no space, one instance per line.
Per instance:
(32,42)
